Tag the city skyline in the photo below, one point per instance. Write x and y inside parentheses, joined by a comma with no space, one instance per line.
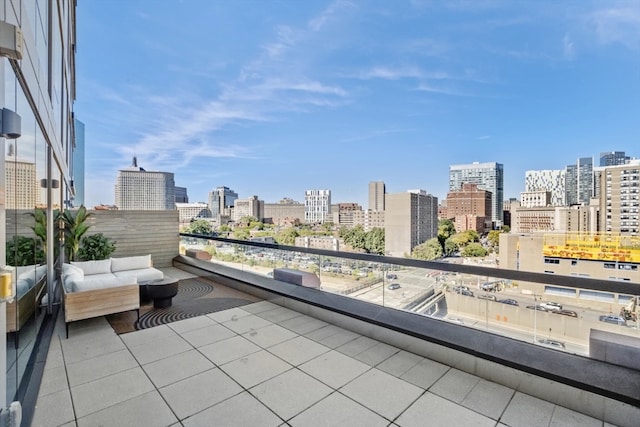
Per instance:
(335,94)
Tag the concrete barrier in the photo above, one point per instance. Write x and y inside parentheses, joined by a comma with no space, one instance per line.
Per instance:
(297,277)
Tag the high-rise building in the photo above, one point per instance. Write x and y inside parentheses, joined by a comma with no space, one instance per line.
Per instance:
(344,213)
(376,195)
(488,176)
(21,186)
(410,219)
(286,211)
(181,195)
(613,158)
(138,189)
(579,182)
(251,206)
(552,181)
(77,169)
(221,199)
(620,199)
(190,211)
(535,199)
(317,206)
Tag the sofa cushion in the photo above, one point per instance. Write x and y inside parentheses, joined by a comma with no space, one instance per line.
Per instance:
(94,267)
(101,282)
(142,274)
(130,263)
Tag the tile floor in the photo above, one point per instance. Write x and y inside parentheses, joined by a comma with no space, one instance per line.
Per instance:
(265,365)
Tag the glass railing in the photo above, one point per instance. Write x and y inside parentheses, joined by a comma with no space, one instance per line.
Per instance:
(557,312)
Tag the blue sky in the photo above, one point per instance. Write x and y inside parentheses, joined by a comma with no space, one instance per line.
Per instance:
(273,97)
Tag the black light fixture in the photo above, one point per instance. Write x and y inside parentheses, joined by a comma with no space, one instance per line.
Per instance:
(10,124)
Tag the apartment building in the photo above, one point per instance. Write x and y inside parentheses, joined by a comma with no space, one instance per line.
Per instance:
(377,190)
(552,181)
(411,218)
(220,200)
(191,211)
(138,189)
(368,219)
(620,199)
(488,176)
(317,206)
(535,199)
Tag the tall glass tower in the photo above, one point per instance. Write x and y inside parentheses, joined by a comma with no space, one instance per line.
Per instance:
(488,176)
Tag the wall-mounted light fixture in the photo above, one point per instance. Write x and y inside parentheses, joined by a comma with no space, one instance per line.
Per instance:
(54,183)
(10,124)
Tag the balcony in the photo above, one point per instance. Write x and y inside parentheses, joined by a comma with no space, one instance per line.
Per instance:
(345,356)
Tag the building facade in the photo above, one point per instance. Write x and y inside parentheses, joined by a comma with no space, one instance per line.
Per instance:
(190,211)
(317,206)
(613,158)
(251,206)
(37,96)
(470,207)
(377,191)
(579,182)
(552,181)
(220,200)
(138,189)
(411,218)
(620,199)
(487,176)
(286,212)
(181,195)
(368,219)
(535,199)
(344,214)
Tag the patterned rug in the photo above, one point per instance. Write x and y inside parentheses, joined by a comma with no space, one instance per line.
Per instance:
(196,297)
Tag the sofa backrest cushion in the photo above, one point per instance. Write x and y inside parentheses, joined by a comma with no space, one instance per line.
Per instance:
(94,267)
(70,275)
(131,263)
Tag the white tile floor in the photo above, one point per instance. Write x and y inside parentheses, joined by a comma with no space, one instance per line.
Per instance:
(265,365)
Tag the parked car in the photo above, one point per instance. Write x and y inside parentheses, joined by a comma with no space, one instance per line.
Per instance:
(552,343)
(391,276)
(466,292)
(537,307)
(394,286)
(550,305)
(509,301)
(612,318)
(489,287)
(487,296)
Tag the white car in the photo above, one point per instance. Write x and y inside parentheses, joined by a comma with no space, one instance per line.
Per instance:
(551,306)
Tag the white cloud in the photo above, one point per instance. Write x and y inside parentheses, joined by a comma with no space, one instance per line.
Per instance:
(334,9)
(568,46)
(619,24)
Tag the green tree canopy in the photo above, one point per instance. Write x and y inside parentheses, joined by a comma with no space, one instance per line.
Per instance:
(429,250)
(356,237)
(287,236)
(375,241)
(241,234)
(473,249)
(200,226)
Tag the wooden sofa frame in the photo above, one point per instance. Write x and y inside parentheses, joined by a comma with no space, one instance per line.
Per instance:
(20,310)
(99,302)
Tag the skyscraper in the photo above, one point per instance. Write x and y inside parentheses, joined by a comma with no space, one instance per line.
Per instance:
(22,190)
(317,206)
(488,176)
(410,219)
(376,195)
(613,158)
(579,182)
(619,203)
(138,189)
(181,195)
(221,198)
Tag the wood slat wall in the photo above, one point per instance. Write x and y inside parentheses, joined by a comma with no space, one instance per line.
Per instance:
(135,232)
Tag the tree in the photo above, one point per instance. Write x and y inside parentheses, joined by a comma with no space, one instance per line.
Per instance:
(356,238)
(429,250)
(445,230)
(200,226)
(474,250)
(375,241)
(287,236)
(450,247)
(96,247)
(75,227)
(241,234)
(506,229)
(494,238)
(23,250)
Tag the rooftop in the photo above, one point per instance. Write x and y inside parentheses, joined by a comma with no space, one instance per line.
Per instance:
(268,364)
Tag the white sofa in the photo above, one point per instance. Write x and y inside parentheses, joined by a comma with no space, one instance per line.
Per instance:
(96,288)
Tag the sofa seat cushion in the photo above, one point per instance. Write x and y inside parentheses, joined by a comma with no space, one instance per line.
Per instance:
(142,274)
(100,281)
(131,263)
(94,267)
(28,276)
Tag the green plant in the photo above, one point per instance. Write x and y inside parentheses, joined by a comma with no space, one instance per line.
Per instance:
(75,229)
(96,247)
(23,250)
